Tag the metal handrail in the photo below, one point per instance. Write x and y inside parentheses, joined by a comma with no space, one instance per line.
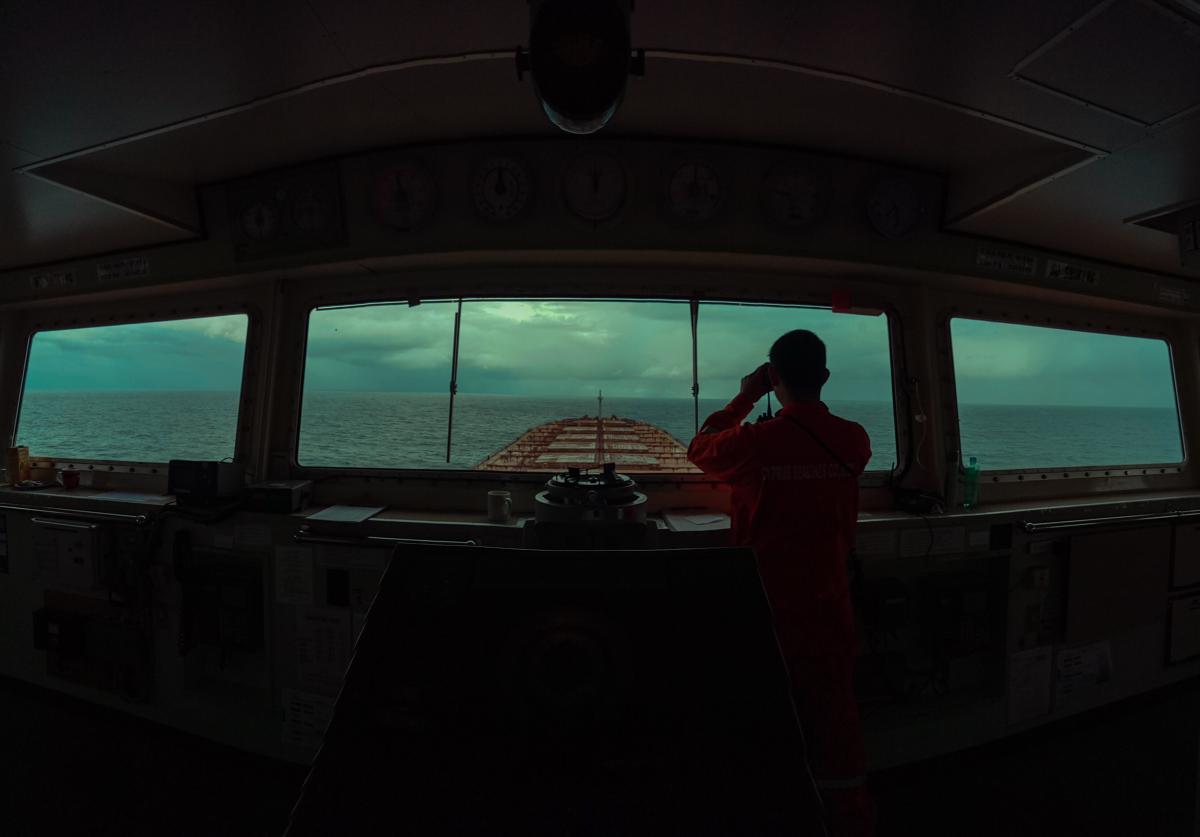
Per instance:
(374,541)
(138,519)
(1106,522)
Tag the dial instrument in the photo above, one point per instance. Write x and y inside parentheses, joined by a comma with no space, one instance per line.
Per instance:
(894,207)
(794,195)
(260,221)
(403,196)
(694,192)
(501,188)
(594,186)
(308,212)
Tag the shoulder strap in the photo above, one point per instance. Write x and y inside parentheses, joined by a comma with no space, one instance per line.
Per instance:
(818,440)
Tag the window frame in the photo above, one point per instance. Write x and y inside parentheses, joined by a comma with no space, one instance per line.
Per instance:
(1045,482)
(151,310)
(605,292)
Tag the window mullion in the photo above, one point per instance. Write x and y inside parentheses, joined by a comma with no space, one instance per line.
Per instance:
(694,304)
(453,381)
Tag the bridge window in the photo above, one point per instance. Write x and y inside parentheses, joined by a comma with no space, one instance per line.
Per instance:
(532,376)
(375,386)
(543,384)
(139,392)
(733,339)
(1037,397)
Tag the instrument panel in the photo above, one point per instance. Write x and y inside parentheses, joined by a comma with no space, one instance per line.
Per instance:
(568,194)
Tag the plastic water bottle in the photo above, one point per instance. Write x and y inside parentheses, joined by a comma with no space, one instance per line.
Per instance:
(971,483)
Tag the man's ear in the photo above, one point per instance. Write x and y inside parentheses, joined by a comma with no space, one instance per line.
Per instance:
(772,375)
(824,377)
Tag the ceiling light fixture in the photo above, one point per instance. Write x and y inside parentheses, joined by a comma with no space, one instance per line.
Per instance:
(580,58)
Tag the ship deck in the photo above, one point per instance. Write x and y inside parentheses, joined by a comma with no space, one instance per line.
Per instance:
(589,442)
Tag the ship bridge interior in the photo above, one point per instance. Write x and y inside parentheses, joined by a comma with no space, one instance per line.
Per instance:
(288,288)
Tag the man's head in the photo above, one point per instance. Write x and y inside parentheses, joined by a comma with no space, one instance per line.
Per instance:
(798,366)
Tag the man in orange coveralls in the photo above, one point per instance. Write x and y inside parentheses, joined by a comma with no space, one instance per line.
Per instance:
(795,501)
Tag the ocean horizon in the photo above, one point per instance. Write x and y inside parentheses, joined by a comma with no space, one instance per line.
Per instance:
(382,429)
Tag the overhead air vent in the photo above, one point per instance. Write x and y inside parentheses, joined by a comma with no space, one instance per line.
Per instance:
(1138,60)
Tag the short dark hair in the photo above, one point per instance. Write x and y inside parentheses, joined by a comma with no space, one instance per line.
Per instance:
(799,360)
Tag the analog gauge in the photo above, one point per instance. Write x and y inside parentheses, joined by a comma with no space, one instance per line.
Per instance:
(694,192)
(260,221)
(307,212)
(894,207)
(794,195)
(403,196)
(594,186)
(501,189)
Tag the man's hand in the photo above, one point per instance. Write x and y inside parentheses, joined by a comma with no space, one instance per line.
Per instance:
(757,383)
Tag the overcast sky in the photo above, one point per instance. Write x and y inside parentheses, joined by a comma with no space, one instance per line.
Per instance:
(628,349)
(1001,363)
(200,354)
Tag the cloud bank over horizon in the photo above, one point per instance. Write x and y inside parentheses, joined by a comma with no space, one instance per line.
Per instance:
(628,349)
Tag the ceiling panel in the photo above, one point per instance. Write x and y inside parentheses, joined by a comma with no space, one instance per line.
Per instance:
(959,51)
(1133,58)
(963,52)
(1084,211)
(409,106)
(80,73)
(42,222)
(373,32)
(83,72)
(757,104)
(676,98)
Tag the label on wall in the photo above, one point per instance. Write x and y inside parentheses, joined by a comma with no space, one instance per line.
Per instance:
(323,643)
(1083,669)
(305,717)
(1006,261)
(119,270)
(58,279)
(1067,272)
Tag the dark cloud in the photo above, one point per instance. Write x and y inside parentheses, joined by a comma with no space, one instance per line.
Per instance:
(1004,363)
(199,354)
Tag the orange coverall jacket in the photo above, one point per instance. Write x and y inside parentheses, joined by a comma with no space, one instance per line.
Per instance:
(797,506)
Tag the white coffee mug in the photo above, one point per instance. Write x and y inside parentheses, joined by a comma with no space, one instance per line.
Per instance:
(499,506)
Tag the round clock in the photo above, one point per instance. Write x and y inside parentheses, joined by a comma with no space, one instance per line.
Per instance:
(308,214)
(694,192)
(403,196)
(260,221)
(794,195)
(594,186)
(501,188)
(894,207)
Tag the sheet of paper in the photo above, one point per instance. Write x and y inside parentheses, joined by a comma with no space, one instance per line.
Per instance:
(1030,674)
(1083,668)
(345,514)
(705,519)
(305,717)
(294,575)
(323,643)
